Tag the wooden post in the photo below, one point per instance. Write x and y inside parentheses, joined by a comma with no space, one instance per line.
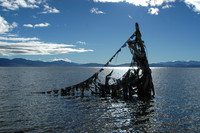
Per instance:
(144,93)
(145,84)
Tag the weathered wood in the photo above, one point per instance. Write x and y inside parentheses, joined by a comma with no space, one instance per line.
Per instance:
(145,85)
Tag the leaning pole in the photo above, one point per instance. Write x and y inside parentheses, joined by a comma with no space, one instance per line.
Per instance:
(144,84)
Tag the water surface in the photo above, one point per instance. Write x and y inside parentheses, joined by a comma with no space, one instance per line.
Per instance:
(175,108)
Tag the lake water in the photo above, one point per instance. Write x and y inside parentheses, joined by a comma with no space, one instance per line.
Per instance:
(175,108)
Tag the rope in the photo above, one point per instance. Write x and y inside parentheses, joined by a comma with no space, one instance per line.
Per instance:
(95,76)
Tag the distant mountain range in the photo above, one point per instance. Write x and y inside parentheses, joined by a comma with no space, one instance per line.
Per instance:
(19,62)
(177,64)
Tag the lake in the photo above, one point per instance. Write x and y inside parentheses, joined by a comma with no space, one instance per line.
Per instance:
(175,108)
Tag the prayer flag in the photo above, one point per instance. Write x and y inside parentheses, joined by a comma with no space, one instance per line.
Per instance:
(119,50)
(55,91)
(101,70)
(106,64)
(124,45)
(49,92)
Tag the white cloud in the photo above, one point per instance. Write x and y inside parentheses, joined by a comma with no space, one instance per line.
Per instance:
(138,2)
(16,4)
(18,39)
(166,6)
(194,4)
(42,25)
(12,35)
(134,2)
(48,9)
(5,27)
(81,42)
(153,11)
(28,25)
(96,11)
(34,16)
(14,24)
(66,60)
(130,16)
(37,48)
(159,2)
(37,25)
(144,3)
(108,0)
(151,4)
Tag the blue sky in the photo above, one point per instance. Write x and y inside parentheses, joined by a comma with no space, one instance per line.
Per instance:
(85,31)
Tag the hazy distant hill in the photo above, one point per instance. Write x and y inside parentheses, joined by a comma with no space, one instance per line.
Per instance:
(23,62)
(92,65)
(17,62)
(177,64)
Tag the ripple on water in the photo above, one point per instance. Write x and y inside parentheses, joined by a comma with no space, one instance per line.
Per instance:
(175,108)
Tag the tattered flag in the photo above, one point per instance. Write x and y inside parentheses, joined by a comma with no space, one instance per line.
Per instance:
(55,91)
(49,92)
(124,45)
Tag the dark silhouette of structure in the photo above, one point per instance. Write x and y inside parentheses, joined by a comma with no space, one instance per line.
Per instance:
(136,81)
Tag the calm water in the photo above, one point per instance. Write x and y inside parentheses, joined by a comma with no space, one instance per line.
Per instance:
(175,108)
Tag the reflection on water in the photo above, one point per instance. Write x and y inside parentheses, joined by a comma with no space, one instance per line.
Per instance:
(176,107)
(128,116)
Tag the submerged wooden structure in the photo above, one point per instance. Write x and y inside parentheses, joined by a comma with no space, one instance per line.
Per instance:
(136,81)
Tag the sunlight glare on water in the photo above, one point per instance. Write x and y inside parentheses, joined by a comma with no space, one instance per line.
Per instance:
(175,107)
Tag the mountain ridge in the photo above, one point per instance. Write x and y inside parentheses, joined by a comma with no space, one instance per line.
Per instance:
(20,62)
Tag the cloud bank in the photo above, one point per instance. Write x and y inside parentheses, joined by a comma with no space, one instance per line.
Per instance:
(18,39)
(16,4)
(153,5)
(108,1)
(32,46)
(194,4)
